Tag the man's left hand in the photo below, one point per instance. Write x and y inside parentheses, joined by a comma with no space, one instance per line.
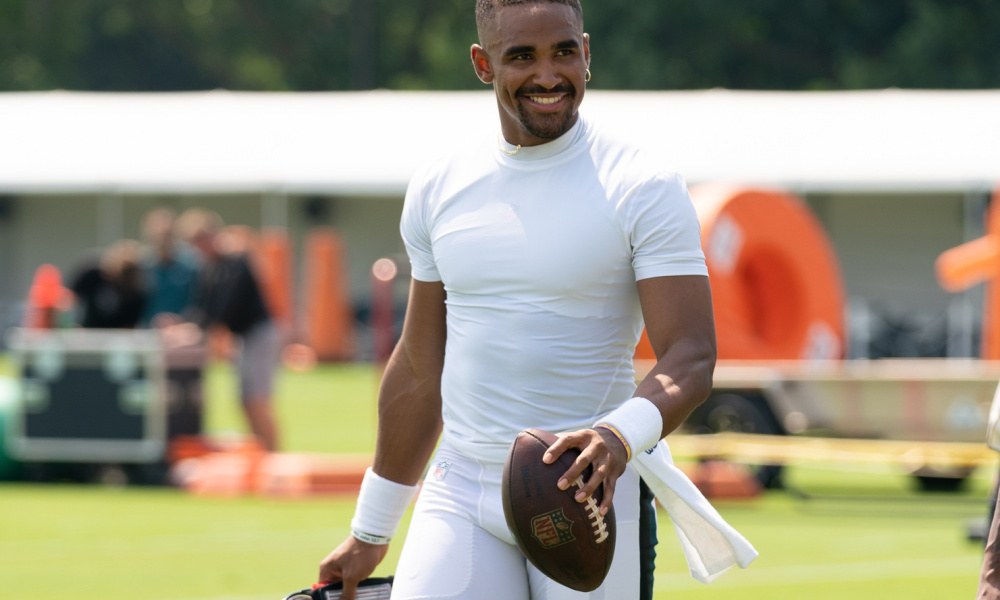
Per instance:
(598,448)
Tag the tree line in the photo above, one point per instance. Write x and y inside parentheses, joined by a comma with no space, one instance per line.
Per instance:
(328,45)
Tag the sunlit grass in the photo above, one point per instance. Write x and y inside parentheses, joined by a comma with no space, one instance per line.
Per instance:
(836,533)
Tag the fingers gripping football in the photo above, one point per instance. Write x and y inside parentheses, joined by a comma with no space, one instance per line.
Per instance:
(599,449)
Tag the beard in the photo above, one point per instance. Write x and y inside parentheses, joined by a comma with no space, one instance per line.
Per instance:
(547,126)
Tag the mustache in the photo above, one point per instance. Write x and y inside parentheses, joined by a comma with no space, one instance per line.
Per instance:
(559,89)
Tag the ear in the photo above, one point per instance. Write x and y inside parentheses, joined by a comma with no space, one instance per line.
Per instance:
(586,48)
(481,63)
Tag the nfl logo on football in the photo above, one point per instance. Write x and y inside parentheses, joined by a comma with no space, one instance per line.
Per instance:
(552,529)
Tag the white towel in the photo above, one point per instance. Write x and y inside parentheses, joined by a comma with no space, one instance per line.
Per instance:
(711,546)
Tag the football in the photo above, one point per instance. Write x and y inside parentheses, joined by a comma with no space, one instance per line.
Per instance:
(568,541)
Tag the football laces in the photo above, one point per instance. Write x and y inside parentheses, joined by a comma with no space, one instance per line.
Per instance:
(594,515)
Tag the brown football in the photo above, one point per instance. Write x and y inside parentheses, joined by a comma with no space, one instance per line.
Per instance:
(567,540)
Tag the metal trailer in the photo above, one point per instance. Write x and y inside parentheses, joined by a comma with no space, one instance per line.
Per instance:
(911,405)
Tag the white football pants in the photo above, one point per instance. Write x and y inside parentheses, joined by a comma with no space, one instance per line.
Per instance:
(458,545)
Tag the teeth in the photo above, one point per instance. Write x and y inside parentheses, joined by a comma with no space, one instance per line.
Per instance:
(541,100)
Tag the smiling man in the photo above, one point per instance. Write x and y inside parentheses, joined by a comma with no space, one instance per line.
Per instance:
(536,259)
(537,58)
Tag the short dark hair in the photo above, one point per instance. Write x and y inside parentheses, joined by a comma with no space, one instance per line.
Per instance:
(486,10)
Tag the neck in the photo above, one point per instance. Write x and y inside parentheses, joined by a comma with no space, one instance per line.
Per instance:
(516,134)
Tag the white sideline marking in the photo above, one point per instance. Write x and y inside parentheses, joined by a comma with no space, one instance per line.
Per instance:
(831,573)
(257,597)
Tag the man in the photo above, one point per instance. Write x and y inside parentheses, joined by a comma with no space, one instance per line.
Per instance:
(531,255)
(229,294)
(110,291)
(171,270)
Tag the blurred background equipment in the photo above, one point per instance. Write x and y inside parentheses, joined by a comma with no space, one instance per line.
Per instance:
(10,468)
(330,317)
(48,303)
(776,282)
(384,273)
(93,397)
(978,261)
(780,311)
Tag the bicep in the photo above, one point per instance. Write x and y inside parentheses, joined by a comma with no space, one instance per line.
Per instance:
(421,344)
(677,309)
(681,329)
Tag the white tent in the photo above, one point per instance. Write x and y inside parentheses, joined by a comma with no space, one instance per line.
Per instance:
(368,143)
(80,169)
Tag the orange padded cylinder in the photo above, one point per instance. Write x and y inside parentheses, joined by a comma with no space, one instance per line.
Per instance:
(776,284)
(331,323)
(276,273)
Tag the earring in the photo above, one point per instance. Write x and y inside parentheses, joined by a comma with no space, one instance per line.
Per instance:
(587,77)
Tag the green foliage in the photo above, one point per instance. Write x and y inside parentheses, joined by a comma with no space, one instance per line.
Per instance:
(309,45)
(769,44)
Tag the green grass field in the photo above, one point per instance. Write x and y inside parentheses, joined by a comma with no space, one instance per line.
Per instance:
(837,534)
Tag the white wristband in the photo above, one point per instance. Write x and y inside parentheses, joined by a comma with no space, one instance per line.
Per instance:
(638,421)
(381,504)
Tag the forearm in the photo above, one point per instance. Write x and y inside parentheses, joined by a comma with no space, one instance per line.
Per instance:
(680,381)
(409,419)
(409,403)
(681,328)
(408,427)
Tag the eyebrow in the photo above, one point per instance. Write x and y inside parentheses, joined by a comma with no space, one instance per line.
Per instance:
(515,50)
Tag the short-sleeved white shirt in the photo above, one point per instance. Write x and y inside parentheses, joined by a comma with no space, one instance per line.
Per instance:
(539,254)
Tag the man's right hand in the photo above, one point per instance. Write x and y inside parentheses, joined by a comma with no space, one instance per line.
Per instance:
(351,562)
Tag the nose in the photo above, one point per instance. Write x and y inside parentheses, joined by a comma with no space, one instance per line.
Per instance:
(547,75)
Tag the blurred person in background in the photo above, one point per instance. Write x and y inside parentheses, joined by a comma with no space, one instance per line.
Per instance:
(110,291)
(228,294)
(170,269)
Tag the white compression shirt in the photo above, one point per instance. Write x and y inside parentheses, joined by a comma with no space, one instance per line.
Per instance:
(539,254)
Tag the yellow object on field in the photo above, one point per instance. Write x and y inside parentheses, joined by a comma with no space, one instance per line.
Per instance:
(780,449)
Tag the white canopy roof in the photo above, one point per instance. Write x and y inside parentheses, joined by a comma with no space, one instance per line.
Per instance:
(368,143)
